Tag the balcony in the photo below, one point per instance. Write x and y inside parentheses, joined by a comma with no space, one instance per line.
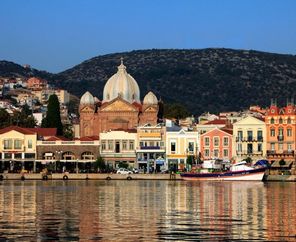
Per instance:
(150,149)
(249,139)
(249,152)
(276,153)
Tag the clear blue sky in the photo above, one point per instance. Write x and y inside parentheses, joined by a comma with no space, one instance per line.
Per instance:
(54,35)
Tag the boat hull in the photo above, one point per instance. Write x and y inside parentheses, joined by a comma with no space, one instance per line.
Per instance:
(250,175)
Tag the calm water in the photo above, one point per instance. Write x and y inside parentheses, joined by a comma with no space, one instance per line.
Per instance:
(147,211)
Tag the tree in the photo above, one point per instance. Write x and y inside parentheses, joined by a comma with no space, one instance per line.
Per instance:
(53,116)
(248,160)
(100,164)
(4,118)
(175,110)
(282,162)
(68,131)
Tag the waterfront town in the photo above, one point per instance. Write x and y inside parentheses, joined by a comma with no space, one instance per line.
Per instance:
(123,131)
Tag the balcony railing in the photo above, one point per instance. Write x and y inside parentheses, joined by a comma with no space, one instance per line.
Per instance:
(280,137)
(249,139)
(151,147)
(249,152)
(278,153)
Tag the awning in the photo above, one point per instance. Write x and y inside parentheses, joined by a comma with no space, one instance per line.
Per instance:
(276,164)
(159,162)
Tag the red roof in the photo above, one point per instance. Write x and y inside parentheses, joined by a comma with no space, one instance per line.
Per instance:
(89,138)
(18,129)
(217,121)
(227,130)
(44,131)
(56,138)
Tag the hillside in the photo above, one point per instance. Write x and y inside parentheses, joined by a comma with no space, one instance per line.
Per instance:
(10,69)
(204,80)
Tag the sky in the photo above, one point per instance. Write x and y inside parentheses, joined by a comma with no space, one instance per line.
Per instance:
(55,35)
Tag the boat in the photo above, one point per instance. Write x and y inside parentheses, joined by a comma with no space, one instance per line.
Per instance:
(237,172)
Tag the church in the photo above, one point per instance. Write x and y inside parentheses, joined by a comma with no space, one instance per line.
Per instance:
(120,109)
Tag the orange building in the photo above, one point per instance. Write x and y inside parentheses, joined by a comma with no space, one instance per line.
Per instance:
(120,109)
(36,83)
(281,131)
(216,143)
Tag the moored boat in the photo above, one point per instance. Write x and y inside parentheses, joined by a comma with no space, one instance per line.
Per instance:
(237,172)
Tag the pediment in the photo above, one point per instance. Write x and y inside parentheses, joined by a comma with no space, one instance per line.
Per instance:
(86,109)
(150,109)
(118,105)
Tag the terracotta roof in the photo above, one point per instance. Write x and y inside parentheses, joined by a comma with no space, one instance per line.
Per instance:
(44,131)
(56,138)
(18,129)
(227,130)
(217,121)
(89,138)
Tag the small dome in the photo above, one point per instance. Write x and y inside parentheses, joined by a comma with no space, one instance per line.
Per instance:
(121,84)
(87,98)
(150,98)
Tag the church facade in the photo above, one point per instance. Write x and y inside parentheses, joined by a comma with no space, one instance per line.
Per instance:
(120,109)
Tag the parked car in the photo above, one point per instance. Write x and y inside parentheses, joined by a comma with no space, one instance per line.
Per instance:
(123,171)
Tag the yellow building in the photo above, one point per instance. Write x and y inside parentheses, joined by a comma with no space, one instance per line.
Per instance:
(150,147)
(249,139)
(180,144)
(18,148)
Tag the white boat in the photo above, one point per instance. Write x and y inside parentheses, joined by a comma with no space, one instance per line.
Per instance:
(238,172)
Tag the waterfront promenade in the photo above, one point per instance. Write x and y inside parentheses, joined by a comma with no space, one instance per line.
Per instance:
(107,176)
(90,176)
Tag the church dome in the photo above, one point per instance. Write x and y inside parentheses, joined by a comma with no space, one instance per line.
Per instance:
(87,99)
(121,84)
(150,98)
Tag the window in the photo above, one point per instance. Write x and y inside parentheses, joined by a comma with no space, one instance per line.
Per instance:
(259,135)
(216,153)
(87,156)
(216,141)
(18,144)
(259,148)
(280,120)
(225,141)
(250,135)
(289,146)
(191,146)
(250,148)
(124,145)
(68,156)
(240,135)
(103,145)
(30,144)
(141,144)
(281,145)
(173,147)
(110,145)
(131,145)
(272,146)
(8,144)
(289,120)
(225,152)
(239,147)
(289,132)
(207,153)
(272,132)
(272,121)
(207,141)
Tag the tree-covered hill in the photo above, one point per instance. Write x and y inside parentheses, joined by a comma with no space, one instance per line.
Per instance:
(203,80)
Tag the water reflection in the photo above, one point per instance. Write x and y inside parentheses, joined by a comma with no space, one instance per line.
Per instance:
(147,211)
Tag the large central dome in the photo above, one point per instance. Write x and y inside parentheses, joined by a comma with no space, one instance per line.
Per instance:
(121,84)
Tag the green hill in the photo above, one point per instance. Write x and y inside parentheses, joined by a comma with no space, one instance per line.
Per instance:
(203,80)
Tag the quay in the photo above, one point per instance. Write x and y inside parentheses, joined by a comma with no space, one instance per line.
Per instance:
(87,176)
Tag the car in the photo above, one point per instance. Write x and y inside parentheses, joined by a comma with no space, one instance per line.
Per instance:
(123,171)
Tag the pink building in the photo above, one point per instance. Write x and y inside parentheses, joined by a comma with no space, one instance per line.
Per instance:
(216,144)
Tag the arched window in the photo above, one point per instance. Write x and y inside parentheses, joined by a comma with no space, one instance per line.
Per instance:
(68,156)
(289,120)
(87,156)
(280,120)
(272,121)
